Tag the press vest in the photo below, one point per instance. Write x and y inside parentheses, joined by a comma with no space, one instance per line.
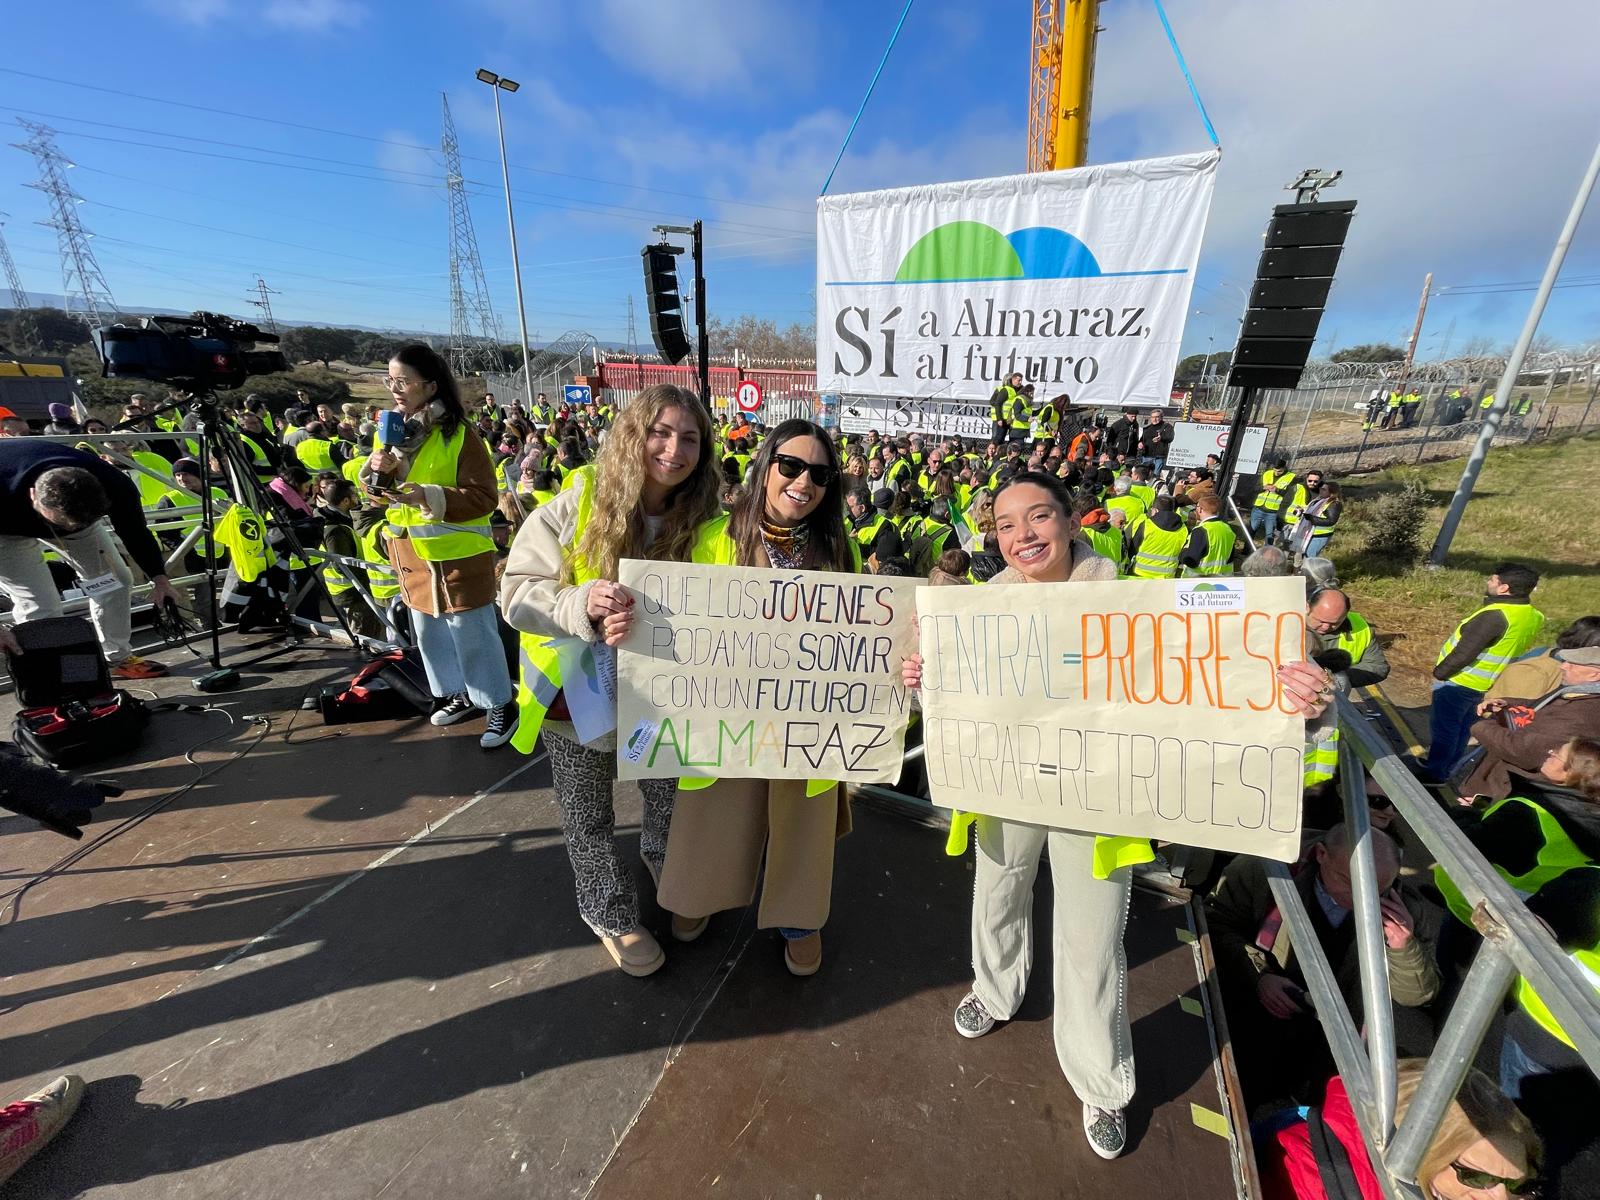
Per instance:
(1159,549)
(437,461)
(1523,623)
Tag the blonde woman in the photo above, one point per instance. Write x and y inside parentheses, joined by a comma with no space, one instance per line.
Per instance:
(655,484)
(1485,1148)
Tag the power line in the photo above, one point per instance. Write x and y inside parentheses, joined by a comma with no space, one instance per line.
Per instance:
(475,335)
(383,141)
(19,298)
(78,266)
(263,302)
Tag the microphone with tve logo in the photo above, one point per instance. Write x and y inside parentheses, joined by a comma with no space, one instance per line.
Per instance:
(391,429)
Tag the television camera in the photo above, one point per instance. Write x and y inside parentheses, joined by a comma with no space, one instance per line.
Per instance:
(200,352)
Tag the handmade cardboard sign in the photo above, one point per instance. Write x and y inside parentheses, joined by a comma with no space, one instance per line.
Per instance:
(1145,708)
(747,672)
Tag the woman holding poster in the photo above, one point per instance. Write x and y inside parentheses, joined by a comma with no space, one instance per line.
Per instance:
(1092,876)
(655,486)
(792,518)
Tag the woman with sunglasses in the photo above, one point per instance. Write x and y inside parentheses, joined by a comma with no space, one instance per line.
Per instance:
(655,487)
(791,517)
(1485,1148)
(439,484)
(1037,533)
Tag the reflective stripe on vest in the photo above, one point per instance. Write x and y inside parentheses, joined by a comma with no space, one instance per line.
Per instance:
(1272,499)
(1220,540)
(539,678)
(1523,623)
(438,462)
(1157,556)
(1322,757)
(1557,855)
(381,578)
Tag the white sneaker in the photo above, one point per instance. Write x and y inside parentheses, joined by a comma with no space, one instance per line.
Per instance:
(1106,1129)
(457,708)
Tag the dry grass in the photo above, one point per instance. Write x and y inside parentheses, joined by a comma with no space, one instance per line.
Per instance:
(1533,504)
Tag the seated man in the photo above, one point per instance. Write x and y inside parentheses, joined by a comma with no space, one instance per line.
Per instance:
(1517,734)
(1277,1040)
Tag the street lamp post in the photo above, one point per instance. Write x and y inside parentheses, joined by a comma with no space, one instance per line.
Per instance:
(497,83)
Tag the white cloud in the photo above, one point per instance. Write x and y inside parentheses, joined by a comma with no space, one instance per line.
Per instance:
(713,48)
(1461,164)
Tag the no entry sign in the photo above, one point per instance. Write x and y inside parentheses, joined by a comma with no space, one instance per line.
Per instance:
(748,395)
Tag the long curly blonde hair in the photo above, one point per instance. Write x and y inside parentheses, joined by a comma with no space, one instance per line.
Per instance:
(616,528)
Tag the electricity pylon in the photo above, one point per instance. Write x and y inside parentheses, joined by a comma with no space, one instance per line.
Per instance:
(19,298)
(83,287)
(475,337)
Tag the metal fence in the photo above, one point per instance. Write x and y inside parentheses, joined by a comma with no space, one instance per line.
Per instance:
(1514,943)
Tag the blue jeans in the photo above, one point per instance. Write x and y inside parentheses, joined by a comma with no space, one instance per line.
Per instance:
(1315,545)
(1263,523)
(1516,1067)
(462,653)
(1455,708)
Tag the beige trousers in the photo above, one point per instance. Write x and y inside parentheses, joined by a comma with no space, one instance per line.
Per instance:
(1094,1042)
(720,835)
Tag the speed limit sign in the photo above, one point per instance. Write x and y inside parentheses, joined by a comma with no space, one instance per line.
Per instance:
(748,395)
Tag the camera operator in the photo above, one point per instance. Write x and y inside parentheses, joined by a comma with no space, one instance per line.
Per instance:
(56,494)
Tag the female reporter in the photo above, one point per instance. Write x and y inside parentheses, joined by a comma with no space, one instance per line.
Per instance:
(440,488)
(1038,538)
(655,486)
(792,518)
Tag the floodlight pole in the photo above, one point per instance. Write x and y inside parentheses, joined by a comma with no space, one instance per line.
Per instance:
(496,83)
(1502,395)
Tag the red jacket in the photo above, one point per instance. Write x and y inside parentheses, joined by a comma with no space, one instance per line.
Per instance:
(1288,1168)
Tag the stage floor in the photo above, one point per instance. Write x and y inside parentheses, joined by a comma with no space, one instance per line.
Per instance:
(348,963)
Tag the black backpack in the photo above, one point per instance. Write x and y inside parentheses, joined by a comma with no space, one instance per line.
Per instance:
(71,713)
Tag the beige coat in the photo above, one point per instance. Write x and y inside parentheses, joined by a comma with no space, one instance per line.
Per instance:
(462,584)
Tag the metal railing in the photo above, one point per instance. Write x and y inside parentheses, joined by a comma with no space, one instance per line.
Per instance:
(1514,943)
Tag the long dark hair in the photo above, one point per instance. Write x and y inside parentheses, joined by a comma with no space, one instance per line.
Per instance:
(1051,483)
(830,545)
(426,361)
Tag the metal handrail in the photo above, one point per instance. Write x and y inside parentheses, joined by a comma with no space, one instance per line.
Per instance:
(1515,942)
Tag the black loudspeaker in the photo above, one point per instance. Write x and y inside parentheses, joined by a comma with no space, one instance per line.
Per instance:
(666,307)
(1301,251)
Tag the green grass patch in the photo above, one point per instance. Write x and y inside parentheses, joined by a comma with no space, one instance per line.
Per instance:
(1533,504)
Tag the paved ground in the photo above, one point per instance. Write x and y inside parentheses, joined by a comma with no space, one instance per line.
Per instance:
(347,963)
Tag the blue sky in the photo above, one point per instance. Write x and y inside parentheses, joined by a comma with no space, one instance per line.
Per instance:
(326,178)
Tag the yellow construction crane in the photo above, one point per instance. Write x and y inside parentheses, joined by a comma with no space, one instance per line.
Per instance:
(1060,82)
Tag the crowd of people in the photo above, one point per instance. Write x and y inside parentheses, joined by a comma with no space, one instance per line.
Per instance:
(488,519)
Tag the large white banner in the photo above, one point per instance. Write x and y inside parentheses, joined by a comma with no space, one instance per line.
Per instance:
(1078,279)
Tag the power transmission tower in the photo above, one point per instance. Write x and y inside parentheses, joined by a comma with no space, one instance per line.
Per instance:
(633,345)
(475,337)
(262,303)
(19,298)
(84,289)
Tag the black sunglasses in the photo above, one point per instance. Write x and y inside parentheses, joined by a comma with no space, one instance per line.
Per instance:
(791,467)
(1483,1180)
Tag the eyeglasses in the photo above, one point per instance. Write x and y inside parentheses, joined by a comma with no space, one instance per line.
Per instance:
(1483,1181)
(790,467)
(398,385)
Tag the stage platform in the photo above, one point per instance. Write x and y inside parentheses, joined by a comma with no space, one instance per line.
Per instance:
(347,963)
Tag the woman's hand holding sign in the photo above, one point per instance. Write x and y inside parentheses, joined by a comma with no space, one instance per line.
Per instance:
(610,609)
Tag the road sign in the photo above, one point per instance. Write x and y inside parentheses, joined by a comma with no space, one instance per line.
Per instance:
(1193,440)
(748,395)
(576,394)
